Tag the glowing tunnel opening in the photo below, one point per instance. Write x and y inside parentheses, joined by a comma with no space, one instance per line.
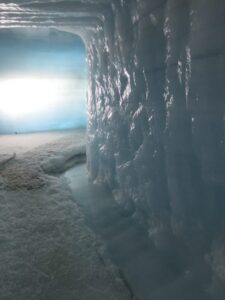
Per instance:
(43,81)
(22,96)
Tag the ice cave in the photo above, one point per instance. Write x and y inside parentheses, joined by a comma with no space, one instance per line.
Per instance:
(132,207)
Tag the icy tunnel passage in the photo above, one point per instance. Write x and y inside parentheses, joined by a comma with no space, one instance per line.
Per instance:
(43,80)
(156,114)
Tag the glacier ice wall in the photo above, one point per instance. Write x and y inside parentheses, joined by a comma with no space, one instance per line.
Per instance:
(156,123)
(156,109)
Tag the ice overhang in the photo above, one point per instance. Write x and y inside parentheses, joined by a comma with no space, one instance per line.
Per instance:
(80,16)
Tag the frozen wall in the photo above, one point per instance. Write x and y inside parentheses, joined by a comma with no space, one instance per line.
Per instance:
(156,108)
(156,125)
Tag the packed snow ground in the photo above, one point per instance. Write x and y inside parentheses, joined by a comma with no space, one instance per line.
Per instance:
(21,143)
(47,252)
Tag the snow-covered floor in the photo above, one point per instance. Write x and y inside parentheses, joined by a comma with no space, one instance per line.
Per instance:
(21,143)
(47,251)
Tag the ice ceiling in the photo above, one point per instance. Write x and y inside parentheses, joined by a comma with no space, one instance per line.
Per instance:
(78,14)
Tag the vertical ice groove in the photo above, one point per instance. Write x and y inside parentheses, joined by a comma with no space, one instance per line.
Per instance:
(164,123)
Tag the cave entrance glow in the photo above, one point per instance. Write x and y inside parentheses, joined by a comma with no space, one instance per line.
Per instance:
(28,96)
(43,81)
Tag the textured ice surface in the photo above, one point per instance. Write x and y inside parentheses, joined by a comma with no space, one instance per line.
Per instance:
(46,250)
(156,118)
(156,129)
